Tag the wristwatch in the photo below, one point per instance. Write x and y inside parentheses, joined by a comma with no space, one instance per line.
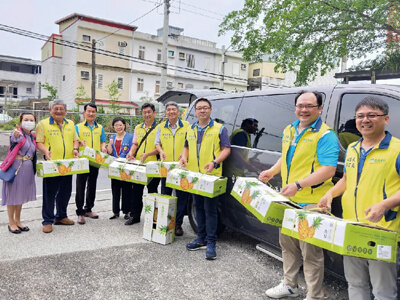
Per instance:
(215,164)
(299,188)
(76,149)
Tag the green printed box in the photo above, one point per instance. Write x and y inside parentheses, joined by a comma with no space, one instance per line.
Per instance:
(160,168)
(96,158)
(341,236)
(196,183)
(131,171)
(263,202)
(159,218)
(62,167)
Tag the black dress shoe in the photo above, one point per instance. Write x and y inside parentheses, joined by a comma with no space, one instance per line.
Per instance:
(132,220)
(114,217)
(126,217)
(178,230)
(13,231)
(25,228)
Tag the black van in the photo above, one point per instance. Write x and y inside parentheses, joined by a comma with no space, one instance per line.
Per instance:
(274,109)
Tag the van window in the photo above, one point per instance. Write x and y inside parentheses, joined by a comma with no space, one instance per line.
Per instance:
(274,113)
(223,111)
(346,123)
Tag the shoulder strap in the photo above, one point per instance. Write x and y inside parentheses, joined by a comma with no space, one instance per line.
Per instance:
(145,136)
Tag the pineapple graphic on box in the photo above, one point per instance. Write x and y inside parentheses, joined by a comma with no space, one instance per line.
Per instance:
(147,209)
(122,174)
(162,169)
(184,182)
(171,224)
(246,197)
(164,230)
(316,224)
(62,169)
(70,164)
(98,158)
(191,184)
(302,226)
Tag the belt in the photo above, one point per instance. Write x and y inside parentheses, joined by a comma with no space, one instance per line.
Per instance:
(24,157)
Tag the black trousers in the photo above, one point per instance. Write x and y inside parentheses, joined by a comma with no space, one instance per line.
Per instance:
(137,203)
(81,180)
(119,187)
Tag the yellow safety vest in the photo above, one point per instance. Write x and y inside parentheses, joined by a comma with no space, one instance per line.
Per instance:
(172,144)
(148,144)
(304,162)
(60,143)
(92,138)
(210,148)
(378,181)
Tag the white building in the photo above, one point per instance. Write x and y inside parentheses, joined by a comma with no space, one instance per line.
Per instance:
(19,79)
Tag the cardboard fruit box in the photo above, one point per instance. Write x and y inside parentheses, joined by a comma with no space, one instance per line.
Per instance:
(341,236)
(96,158)
(196,183)
(159,218)
(62,167)
(131,171)
(160,168)
(263,202)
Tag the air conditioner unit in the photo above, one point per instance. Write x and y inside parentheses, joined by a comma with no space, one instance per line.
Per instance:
(122,44)
(85,74)
(243,66)
(169,85)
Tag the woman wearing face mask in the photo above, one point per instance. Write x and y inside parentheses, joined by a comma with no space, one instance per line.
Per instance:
(23,188)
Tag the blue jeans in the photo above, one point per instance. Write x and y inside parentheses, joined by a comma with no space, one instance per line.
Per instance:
(182,201)
(206,217)
(56,190)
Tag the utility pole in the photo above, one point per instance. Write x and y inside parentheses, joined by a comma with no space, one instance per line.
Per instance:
(93,99)
(221,83)
(164,52)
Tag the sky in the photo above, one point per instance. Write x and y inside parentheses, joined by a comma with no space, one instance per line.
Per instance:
(200,19)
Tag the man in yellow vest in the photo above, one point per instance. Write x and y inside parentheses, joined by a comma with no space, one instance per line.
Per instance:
(143,148)
(93,136)
(56,138)
(170,139)
(207,146)
(370,189)
(310,150)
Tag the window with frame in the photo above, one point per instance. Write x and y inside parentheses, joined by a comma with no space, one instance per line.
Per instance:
(274,113)
(256,72)
(157,91)
(29,90)
(346,126)
(100,45)
(158,54)
(120,82)
(171,53)
(189,86)
(86,38)
(207,64)
(223,111)
(142,50)
(140,84)
(235,69)
(85,74)
(2,91)
(190,61)
(14,68)
(181,55)
(180,85)
(99,81)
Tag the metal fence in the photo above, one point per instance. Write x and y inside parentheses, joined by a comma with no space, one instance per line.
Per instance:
(105,119)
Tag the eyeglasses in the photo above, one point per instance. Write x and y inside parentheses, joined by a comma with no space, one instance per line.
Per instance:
(308,107)
(203,108)
(369,116)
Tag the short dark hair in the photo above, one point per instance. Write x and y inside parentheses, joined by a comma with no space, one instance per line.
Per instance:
(374,102)
(317,95)
(27,113)
(117,119)
(202,99)
(248,121)
(91,105)
(146,105)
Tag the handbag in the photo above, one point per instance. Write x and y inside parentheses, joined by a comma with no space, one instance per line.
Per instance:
(8,175)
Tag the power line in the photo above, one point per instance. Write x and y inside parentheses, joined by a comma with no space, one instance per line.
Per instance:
(116,55)
(196,13)
(131,22)
(196,7)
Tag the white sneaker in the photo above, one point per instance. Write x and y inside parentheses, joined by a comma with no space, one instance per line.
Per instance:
(282,290)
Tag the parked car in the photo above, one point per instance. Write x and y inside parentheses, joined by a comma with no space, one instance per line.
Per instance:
(4,118)
(274,109)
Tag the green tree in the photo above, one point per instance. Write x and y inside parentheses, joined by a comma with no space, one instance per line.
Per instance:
(146,98)
(309,37)
(52,90)
(114,94)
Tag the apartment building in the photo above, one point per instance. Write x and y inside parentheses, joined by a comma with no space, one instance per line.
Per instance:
(19,79)
(67,59)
